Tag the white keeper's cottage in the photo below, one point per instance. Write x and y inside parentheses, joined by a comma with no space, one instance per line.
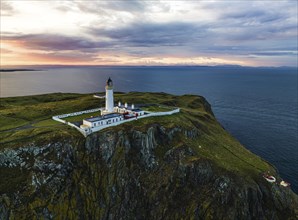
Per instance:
(103,120)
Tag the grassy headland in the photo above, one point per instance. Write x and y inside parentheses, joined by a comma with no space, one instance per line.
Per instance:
(27,118)
(183,163)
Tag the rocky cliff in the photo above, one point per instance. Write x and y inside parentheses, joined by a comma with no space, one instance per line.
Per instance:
(184,166)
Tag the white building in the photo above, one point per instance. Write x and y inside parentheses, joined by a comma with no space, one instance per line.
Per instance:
(102,120)
(131,110)
(111,114)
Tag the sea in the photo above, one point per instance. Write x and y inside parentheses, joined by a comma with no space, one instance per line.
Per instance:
(258,106)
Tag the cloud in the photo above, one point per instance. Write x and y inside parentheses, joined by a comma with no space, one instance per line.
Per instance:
(5,51)
(253,20)
(96,7)
(154,29)
(253,16)
(6,8)
(51,42)
(76,56)
(192,38)
(153,34)
(131,5)
(277,53)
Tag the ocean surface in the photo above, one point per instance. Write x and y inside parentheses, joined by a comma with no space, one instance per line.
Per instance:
(258,106)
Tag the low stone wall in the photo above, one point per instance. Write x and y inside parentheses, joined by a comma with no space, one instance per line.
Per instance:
(164,113)
(91,130)
(78,113)
(58,119)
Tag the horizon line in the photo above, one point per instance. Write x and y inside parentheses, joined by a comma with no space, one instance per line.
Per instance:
(177,65)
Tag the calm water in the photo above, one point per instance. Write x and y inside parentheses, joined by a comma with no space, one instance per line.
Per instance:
(257,105)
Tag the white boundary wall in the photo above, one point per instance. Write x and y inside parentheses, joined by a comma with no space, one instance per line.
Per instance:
(78,113)
(91,130)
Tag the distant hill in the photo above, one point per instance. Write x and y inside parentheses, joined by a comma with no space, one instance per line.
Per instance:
(15,70)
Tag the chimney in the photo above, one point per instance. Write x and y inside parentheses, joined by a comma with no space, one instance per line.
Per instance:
(132,106)
(125,105)
(119,104)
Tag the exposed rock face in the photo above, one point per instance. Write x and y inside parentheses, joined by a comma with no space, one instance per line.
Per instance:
(134,175)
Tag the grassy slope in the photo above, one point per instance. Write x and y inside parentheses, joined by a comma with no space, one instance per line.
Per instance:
(35,113)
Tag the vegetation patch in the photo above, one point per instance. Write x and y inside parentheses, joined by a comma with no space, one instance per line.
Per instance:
(159,108)
(46,123)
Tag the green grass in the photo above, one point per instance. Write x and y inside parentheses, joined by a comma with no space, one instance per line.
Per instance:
(47,107)
(7,122)
(38,110)
(25,134)
(229,154)
(157,108)
(46,123)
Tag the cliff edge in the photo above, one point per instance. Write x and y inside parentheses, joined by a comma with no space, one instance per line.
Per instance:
(183,166)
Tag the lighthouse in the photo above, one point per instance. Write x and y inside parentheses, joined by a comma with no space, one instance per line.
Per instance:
(109,96)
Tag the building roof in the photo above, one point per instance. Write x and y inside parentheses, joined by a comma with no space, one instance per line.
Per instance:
(104,117)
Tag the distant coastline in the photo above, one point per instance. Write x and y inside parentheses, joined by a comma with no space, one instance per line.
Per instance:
(15,70)
(39,67)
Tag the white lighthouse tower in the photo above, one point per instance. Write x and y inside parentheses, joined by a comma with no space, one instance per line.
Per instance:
(109,96)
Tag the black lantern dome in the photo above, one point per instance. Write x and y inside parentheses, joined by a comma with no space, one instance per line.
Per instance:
(109,82)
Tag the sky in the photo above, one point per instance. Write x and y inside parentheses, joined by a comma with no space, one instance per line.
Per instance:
(142,32)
